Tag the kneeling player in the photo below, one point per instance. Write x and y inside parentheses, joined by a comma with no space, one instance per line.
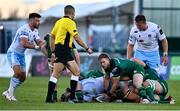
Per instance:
(154,85)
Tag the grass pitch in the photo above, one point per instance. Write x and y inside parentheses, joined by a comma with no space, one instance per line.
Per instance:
(31,96)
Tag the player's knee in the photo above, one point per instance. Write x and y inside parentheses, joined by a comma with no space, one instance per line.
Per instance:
(146,84)
(20,75)
(56,75)
(17,71)
(77,73)
(23,77)
(17,74)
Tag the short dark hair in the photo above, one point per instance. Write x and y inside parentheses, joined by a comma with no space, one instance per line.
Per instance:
(69,9)
(103,55)
(33,15)
(140,18)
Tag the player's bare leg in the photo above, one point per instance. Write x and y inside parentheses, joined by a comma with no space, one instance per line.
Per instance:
(18,77)
(137,82)
(150,87)
(58,67)
(51,66)
(76,58)
(73,67)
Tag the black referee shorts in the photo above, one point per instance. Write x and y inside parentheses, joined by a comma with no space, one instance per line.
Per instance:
(63,54)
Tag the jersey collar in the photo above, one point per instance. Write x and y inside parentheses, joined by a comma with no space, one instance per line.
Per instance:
(67,17)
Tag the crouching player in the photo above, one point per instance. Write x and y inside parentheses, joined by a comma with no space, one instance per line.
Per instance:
(116,68)
(156,87)
(128,93)
(123,67)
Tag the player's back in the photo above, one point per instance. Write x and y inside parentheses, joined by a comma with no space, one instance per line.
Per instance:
(62,31)
(127,66)
(91,74)
(152,74)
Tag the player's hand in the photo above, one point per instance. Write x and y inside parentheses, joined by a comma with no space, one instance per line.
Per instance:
(43,46)
(53,58)
(165,60)
(89,50)
(36,47)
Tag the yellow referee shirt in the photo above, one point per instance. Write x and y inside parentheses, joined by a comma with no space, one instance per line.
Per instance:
(64,31)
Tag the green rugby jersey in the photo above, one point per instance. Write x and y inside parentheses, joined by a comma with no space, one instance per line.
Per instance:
(124,67)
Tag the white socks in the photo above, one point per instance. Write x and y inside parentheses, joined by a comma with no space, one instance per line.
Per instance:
(14,83)
(75,78)
(53,79)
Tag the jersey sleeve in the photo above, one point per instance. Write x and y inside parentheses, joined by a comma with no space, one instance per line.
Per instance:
(160,33)
(72,29)
(24,33)
(132,38)
(116,72)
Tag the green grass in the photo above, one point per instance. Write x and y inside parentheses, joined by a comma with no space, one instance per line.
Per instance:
(31,96)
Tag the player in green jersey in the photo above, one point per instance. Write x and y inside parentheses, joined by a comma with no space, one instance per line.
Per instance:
(122,67)
(154,84)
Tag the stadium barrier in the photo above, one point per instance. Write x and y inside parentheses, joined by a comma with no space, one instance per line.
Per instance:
(175,68)
(37,65)
(5,69)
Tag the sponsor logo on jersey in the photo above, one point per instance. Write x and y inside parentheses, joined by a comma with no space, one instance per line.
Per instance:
(136,31)
(141,40)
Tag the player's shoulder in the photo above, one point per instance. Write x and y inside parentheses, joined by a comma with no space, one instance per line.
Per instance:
(119,60)
(134,30)
(152,25)
(24,28)
(67,19)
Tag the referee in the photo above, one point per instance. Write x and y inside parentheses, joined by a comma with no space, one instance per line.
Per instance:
(62,36)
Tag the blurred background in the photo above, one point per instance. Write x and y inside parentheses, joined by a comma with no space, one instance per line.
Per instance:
(103,24)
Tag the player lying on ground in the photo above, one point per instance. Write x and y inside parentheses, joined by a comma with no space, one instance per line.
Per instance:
(89,86)
(91,90)
(126,92)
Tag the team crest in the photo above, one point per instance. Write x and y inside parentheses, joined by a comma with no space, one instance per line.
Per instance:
(149,35)
(136,31)
(141,40)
